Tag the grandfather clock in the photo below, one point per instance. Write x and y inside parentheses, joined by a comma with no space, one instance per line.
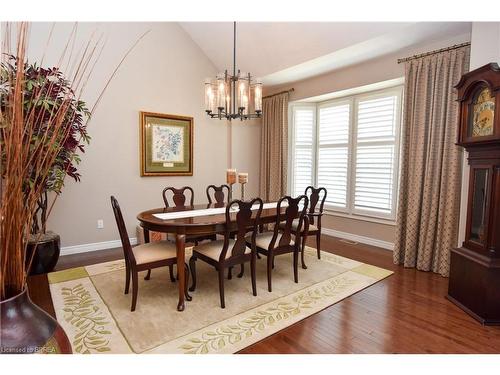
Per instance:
(474,283)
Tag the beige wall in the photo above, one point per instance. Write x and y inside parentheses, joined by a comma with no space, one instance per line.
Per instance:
(245,154)
(165,73)
(373,71)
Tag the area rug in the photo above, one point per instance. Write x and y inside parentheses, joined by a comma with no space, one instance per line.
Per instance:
(95,313)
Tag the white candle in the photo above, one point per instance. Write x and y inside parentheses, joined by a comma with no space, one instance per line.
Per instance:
(242,178)
(231,176)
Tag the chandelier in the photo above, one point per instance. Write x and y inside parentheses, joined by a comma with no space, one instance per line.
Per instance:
(236,96)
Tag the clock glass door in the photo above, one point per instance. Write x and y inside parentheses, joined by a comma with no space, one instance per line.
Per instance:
(478,208)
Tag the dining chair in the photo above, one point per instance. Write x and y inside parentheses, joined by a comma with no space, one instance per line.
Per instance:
(218,194)
(312,224)
(226,253)
(220,198)
(279,241)
(179,199)
(143,257)
(178,196)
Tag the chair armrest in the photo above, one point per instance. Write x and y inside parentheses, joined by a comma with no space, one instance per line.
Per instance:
(316,214)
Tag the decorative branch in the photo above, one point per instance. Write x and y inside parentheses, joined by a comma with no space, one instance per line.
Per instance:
(42,127)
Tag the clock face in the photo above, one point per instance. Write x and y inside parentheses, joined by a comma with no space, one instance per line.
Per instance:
(483,112)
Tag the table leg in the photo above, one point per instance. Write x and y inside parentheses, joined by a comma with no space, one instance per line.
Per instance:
(180,244)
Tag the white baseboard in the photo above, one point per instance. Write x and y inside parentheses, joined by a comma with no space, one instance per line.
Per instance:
(362,239)
(85,248)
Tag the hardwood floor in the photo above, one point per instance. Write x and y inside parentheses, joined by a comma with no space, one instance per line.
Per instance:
(405,313)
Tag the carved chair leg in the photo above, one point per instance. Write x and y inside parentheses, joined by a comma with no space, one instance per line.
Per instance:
(240,275)
(171,271)
(148,276)
(221,288)
(252,273)
(318,244)
(303,250)
(270,260)
(296,265)
(135,289)
(273,262)
(230,273)
(192,266)
(186,277)
(127,279)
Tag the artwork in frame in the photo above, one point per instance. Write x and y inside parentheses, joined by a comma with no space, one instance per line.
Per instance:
(166,145)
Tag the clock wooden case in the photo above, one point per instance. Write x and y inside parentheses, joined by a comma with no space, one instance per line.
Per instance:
(475,267)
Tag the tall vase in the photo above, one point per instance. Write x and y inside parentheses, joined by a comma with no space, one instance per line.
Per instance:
(26,328)
(46,248)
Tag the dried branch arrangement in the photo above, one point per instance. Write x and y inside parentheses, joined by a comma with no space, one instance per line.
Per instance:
(36,107)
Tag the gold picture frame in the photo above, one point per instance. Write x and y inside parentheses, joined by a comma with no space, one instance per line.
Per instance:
(166,144)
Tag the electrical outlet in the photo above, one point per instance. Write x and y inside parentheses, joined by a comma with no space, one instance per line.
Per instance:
(100,224)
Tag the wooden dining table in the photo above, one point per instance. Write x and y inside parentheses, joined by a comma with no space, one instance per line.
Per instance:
(197,225)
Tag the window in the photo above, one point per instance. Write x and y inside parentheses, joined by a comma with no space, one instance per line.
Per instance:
(350,146)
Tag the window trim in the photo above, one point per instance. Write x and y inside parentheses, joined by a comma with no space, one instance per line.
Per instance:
(350,211)
(291,143)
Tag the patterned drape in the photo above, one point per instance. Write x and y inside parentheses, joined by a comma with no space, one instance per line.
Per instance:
(274,147)
(429,195)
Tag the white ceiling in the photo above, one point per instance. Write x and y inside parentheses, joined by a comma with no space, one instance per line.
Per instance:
(281,52)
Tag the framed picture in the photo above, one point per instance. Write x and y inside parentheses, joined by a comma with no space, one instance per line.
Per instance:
(166,145)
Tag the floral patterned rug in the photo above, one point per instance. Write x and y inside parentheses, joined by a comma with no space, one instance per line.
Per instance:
(95,313)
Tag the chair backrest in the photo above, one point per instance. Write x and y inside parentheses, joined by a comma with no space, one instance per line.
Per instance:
(178,196)
(315,197)
(127,249)
(244,223)
(292,211)
(218,193)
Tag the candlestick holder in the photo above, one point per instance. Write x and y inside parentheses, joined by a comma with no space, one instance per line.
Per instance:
(242,190)
(243,179)
(230,191)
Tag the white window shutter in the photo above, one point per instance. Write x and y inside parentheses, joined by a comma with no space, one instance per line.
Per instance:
(375,155)
(333,153)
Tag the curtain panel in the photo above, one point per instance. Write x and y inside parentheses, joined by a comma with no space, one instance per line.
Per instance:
(274,147)
(431,163)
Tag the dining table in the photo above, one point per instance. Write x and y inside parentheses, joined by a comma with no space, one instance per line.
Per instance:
(201,219)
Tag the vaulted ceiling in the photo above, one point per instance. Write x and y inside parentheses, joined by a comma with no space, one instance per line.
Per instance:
(281,52)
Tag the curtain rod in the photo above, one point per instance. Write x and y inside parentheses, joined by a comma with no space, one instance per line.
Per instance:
(433,52)
(279,93)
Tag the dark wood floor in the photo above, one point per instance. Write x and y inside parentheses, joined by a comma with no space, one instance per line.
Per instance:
(405,313)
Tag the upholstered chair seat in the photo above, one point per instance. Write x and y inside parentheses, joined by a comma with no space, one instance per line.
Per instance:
(295,224)
(263,240)
(213,249)
(154,251)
